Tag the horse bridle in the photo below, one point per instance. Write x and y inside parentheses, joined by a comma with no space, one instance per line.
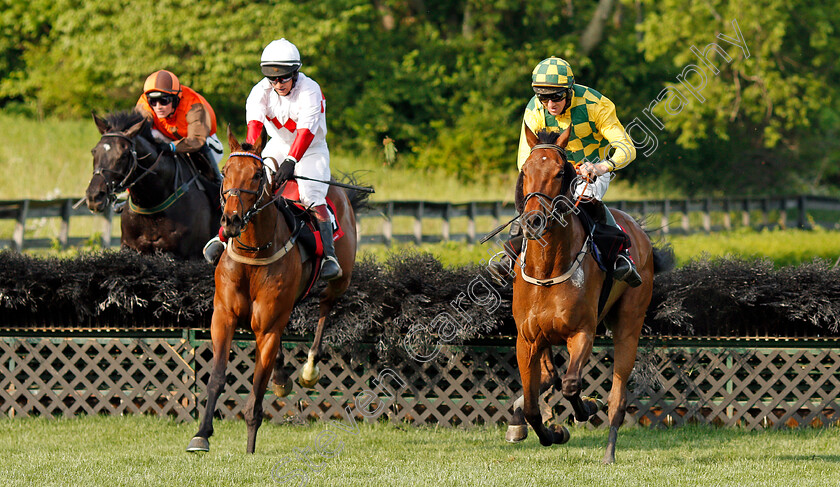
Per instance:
(114,189)
(551,211)
(259,193)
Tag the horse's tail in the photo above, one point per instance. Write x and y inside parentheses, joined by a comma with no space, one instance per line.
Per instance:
(663,258)
(358,199)
(663,252)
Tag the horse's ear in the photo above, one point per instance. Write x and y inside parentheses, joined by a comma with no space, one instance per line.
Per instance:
(261,141)
(563,140)
(232,142)
(101,124)
(530,136)
(135,129)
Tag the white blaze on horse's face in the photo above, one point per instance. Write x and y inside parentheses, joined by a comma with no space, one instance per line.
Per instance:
(106,146)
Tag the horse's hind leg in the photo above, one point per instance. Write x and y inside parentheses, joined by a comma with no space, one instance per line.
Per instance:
(580,348)
(281,379)
(221,333)
(517,427)
(528,357)
(266,354)
(310,372)
(626,341)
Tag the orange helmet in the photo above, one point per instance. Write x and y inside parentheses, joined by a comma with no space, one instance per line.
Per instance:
(162,83)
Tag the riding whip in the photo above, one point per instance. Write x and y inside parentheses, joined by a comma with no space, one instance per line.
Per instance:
(363,189)
(497,230)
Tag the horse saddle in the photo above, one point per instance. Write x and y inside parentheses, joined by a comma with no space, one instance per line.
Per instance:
(303,224)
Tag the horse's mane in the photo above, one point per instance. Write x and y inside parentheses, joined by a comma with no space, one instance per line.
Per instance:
(122,120)
(546,137)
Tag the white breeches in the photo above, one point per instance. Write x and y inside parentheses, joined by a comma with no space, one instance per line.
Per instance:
(216,149)
(314,164)
(594,190)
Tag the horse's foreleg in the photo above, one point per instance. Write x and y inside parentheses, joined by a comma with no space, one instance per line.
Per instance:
(626,343)
(266,354)
(221,333)
(580,348)
(528,357)
(517,427)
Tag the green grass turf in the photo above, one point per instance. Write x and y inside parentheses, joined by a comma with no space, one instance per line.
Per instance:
(137,450)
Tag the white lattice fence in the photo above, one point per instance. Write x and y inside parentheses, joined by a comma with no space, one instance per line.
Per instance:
(748,387)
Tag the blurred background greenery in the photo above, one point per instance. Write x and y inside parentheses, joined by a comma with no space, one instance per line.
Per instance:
(447,81)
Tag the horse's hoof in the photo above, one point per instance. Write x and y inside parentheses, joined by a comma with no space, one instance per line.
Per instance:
(599,404)
(283,390)
(198,444)
(309,375)
(516,433)
(592,406)
(561,434)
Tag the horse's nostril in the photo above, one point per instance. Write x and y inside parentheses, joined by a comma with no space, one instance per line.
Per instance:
(228,220)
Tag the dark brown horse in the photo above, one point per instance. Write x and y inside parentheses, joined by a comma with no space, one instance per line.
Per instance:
(166,211)
(556,297)
(258,280)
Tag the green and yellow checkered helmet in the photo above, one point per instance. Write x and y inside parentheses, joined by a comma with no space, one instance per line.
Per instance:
(552,75)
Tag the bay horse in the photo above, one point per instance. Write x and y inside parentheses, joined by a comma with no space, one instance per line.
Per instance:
(259,281)
(556,294)
(166,211)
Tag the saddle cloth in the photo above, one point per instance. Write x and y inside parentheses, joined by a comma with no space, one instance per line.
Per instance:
(304,224)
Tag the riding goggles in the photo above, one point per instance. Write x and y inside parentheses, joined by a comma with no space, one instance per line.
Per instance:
(555,97)
(281,79)
(161,100)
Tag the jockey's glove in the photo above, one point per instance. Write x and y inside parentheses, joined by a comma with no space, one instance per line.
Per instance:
(168,148)
(286,169)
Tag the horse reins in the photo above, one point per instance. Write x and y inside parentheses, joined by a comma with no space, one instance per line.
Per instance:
(255,208)
(554,215)
(135,163)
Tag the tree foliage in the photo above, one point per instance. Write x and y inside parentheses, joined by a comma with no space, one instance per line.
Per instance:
(447,81)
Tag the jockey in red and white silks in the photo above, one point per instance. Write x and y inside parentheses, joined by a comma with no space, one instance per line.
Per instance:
(297,127)
(292,109)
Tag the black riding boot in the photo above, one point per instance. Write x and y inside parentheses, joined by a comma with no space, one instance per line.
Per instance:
(213,250)
(329,266)
(624,269)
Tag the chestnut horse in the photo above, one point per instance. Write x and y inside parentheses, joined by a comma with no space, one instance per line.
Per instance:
(166,211)
(259,278)
(556,296)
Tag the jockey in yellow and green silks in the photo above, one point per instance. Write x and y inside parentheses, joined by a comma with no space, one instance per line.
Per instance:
(598,144)
(595,126)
